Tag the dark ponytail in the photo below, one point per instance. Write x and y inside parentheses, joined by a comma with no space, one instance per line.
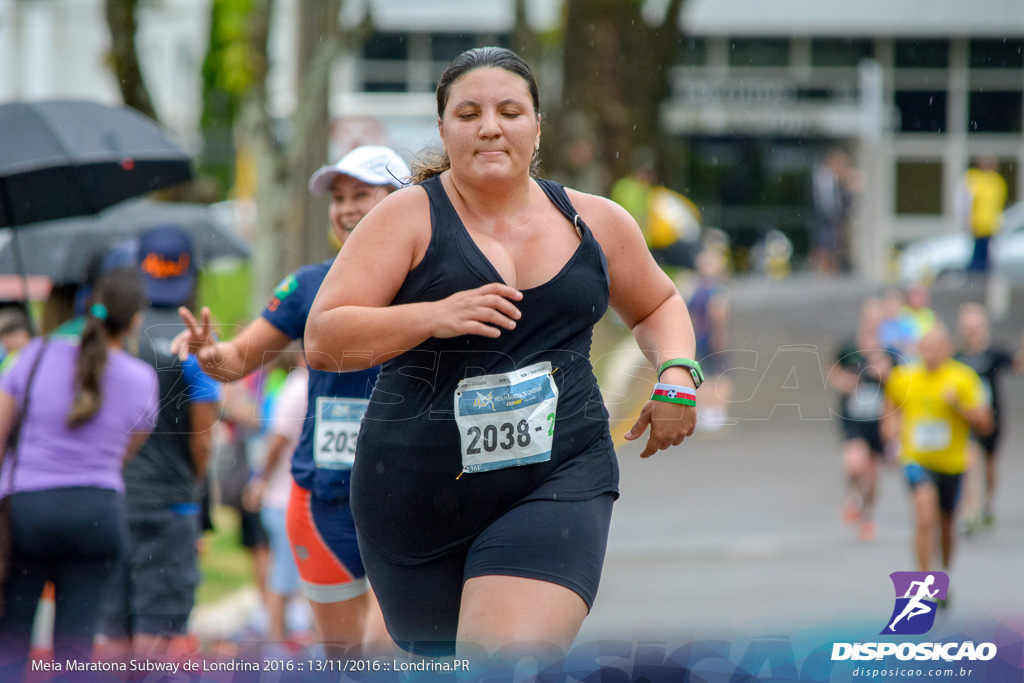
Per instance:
(118,296)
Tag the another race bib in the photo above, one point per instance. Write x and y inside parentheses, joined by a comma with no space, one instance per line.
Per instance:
(932,436)
(506,420)
(336,429)
(865,403)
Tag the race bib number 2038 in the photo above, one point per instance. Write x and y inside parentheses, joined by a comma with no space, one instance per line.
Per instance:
(506,420)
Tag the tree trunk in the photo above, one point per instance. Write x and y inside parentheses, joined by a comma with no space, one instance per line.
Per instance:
(320,42)
(124,57)
(291,225)
(615,69)
(524,39)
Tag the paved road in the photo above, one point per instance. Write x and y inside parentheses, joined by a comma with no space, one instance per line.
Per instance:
(742,530)
(738,536)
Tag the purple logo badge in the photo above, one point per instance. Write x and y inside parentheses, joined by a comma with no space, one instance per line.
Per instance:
(916,596)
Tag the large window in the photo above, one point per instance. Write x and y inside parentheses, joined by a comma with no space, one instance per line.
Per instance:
(748,185)
(692,52)
(392,46)
(994,111)
(919,187)
(372,84)
(414,62)
(1000,53)
(385,65)
(444,47)
(921,111)
(759,52)
(922,53)
(840,51)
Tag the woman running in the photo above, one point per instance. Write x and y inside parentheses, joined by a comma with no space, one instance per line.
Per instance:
(486,472)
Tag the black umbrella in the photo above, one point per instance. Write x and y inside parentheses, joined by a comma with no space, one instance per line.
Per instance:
(68,158)
(62,250)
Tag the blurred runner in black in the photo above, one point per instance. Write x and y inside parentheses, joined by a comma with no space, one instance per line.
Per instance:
(989,361)
(151,591)
(860,371)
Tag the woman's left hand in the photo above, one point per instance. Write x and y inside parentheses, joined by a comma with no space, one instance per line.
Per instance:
(670,423)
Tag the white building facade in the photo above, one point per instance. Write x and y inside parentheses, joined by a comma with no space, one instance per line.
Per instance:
(912,88)
(915,89)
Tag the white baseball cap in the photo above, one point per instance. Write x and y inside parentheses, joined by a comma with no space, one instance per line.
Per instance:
(371,164)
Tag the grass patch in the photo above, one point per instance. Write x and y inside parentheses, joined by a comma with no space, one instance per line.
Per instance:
(227,292)
(225,564)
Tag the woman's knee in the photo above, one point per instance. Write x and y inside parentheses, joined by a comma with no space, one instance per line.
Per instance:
(499,611)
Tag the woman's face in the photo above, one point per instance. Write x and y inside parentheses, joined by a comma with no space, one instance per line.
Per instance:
(489,127)
(351,199)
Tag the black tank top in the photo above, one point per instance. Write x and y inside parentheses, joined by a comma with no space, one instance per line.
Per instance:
(408,497)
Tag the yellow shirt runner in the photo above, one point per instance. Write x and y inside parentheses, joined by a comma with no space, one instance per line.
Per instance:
(933,433)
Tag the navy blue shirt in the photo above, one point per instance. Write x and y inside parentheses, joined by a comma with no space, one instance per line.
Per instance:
(287,311)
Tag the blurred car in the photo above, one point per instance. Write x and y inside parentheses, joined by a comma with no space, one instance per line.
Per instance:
(946,257)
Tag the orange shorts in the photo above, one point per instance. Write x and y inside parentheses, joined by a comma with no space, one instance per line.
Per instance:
(323,540)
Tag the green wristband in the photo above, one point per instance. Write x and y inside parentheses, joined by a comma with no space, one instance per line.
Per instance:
(693,366)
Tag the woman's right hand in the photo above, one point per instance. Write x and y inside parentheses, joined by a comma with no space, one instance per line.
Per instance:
(483,311)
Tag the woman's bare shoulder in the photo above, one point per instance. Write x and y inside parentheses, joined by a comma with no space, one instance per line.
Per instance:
(412,198)
(606,218)
(401,222)
(403,212)
(595,203)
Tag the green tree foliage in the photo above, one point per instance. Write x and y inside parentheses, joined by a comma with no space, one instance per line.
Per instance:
(227,69)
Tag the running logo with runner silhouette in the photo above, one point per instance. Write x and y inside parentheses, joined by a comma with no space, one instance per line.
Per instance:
(916,596)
